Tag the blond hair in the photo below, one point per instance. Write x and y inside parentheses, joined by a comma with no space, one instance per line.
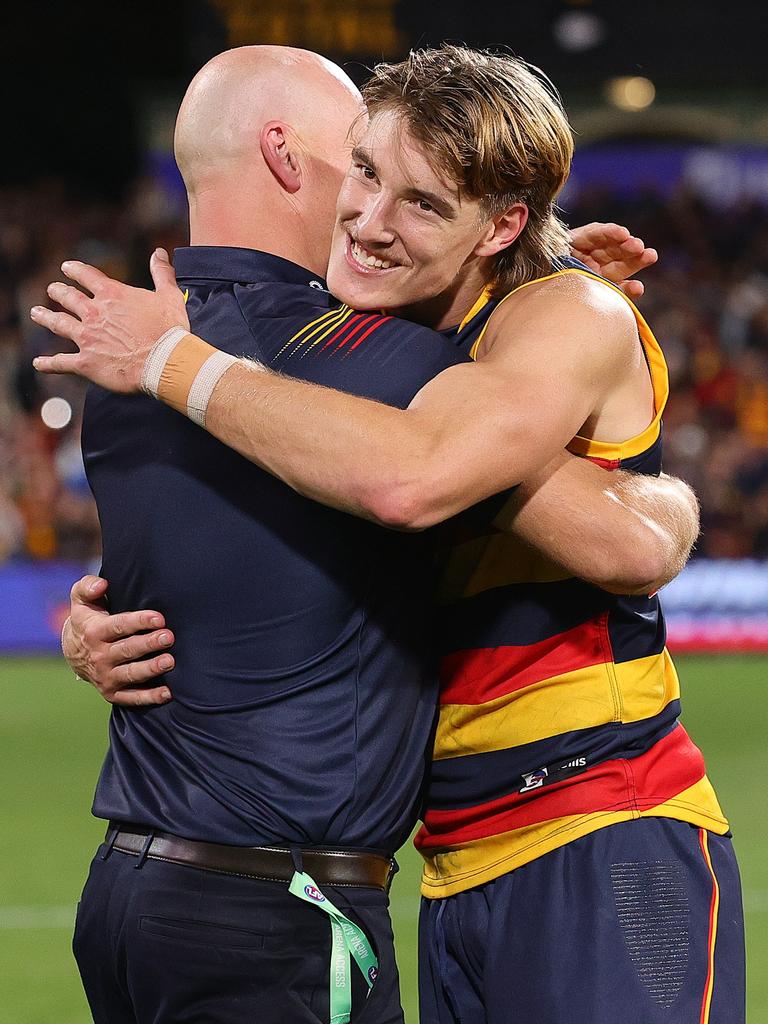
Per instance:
(495,126)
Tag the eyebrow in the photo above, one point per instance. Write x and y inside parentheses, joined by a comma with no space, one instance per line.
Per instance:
(443,206)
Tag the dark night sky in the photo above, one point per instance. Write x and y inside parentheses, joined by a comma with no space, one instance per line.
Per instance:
(678,42)
(71,73)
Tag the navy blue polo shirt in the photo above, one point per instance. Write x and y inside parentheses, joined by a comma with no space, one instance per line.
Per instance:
(304,688)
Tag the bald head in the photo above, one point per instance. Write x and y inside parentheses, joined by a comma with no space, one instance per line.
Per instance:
(262,145)
(231,99)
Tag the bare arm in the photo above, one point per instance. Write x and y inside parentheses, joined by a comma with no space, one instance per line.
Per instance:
(473,431)
(625,532)
(409,469)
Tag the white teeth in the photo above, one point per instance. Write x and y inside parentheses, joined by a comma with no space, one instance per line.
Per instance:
(367,259)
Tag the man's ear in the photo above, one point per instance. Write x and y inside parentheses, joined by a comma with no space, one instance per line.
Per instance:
(278,155)
(503,230)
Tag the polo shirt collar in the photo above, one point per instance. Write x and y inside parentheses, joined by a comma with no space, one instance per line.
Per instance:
(246,266)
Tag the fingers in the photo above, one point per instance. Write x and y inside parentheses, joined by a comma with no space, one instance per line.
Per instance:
(633,289)
(598,235)
(72,299)
(135,647)
(633,250)
(608,234)
(649,257)
(631,246)
(636,254)
(86,275)
(161,270)
(586,259)
(633,253)
(123,624)
(618,267)
(125,684)
(142,698)
(87,590)
(64,362)
(138,672)
(63,324)
(630,251)
(107,629)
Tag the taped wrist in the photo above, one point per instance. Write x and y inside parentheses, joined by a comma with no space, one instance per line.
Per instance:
(182,371)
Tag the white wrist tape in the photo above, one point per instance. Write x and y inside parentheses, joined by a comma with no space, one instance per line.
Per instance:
(158,357)
(182,371)
(208,376)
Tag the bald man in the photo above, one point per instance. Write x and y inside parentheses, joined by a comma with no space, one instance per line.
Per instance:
(294,750)
(263,804)
(286,104)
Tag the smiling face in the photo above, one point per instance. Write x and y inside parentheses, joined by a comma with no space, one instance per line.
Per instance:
(406,238)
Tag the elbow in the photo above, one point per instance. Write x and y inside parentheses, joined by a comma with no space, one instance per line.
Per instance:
(658,546)
(641,566)
(409,506)
(660,555)
(642,578)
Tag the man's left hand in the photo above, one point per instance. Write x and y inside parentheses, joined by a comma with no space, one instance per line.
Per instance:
(115,327)
(614,252)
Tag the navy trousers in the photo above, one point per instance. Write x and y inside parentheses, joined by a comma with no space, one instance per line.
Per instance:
(638,923)
(168,943)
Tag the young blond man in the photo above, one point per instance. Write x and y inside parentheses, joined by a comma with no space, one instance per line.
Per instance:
(568,813)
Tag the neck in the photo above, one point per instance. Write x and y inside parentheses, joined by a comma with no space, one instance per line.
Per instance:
(280,232)
(450,307)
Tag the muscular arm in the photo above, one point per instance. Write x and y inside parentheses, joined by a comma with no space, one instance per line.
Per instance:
(473,431)
(476,430)
(625,532)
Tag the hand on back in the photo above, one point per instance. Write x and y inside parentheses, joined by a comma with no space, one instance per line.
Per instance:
(112,652)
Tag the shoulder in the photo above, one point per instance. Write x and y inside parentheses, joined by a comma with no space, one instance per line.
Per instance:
(570,310)
(580,295)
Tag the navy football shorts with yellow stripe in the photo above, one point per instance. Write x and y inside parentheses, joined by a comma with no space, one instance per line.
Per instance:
(638,923)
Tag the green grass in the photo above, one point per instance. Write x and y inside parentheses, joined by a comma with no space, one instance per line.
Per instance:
(52,738)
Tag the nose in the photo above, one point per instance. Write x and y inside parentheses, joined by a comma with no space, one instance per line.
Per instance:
(373,225)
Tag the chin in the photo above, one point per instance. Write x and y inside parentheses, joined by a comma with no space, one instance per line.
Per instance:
(357,293)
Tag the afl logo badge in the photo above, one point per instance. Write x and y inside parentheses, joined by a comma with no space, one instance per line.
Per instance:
(373,973)
(314,894)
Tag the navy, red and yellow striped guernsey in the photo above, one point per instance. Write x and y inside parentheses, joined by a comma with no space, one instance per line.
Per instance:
(560,704)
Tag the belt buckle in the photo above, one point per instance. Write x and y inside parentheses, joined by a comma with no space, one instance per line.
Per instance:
(392,869)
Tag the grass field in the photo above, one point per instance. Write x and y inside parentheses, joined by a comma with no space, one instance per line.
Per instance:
(52,738)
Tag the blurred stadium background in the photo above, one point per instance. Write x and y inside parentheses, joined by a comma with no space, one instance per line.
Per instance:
(669,105)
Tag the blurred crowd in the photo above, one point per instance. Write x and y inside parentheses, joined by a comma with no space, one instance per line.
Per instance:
(707,301)
(46,509)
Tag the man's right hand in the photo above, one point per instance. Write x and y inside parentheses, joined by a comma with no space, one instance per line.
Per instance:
(105,649)
(116,328)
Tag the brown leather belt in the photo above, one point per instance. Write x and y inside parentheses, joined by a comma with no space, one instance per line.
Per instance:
(266,863)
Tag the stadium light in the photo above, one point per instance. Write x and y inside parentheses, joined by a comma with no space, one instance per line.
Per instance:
(56,413)
(631,93)
(577,31)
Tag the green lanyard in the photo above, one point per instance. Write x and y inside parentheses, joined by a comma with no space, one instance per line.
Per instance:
(346,938)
